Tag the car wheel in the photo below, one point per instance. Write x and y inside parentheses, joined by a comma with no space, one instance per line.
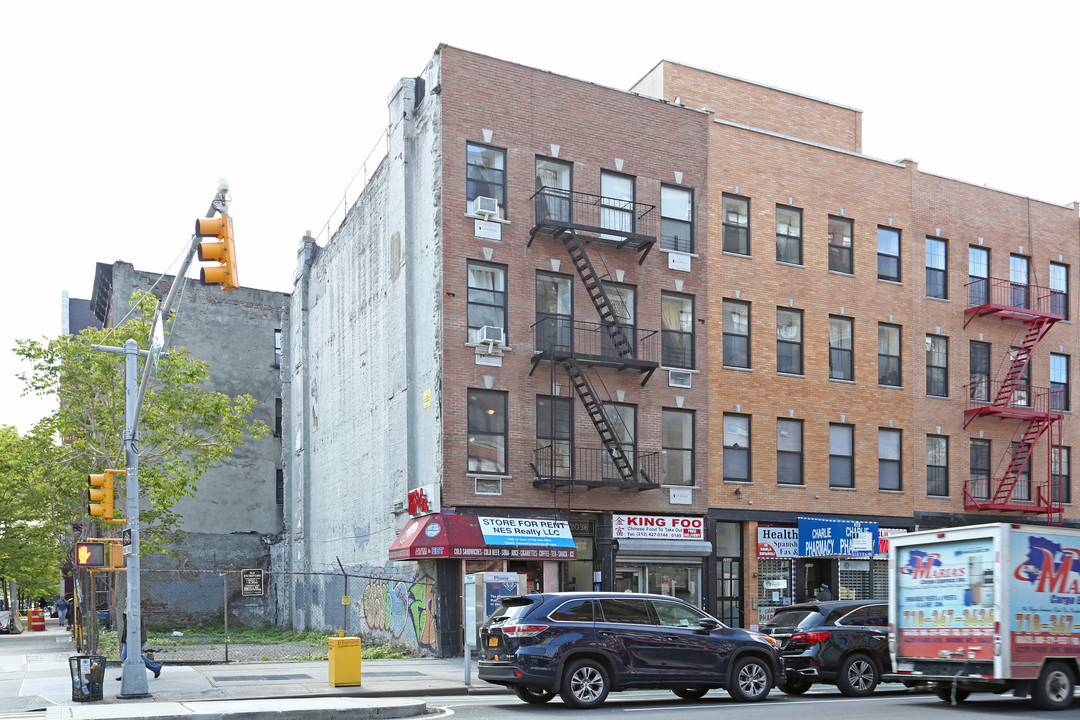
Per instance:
(858,676)
(946,693)
(585,684)
(690,693)
(794,687)
(533,696)
(1054,688)
(751,680)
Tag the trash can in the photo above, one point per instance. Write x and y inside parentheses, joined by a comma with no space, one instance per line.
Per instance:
(344,661)
(87,677)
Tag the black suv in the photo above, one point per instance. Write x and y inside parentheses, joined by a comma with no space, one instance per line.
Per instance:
(841,642)
(584,645)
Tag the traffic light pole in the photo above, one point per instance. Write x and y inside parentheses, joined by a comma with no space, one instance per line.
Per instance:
(133,682)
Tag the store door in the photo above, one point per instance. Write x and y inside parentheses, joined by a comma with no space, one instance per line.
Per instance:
(816,572)
(628,580)
(729,591)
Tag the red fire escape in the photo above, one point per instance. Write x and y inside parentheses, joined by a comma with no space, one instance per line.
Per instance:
(1036,411)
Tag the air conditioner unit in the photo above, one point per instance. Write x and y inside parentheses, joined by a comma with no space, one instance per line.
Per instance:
(491,334)
(679,378)
(486,206)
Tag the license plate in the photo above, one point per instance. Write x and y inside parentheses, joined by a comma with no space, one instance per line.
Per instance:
(492,642)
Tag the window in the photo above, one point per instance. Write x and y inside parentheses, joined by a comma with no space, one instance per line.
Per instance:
(736,225)
(736,447)
(676,219)
(553,182)
(888,359)
(937,366)
(937,465)
(487,298)
(840,233)
(979,464)
(888,254)
(1059,382)
(979,371)
(677,615)
(623,305)
(277,348)
(736,334)
(1022,489)
(554,312)
(841,456)
(936,263)
(1059,475)
(677,330)
(1019,280)
(277,417)
(789,348)
(617,203)
(841,365)
(574,611)
(1059,289)
(555,435)
(1021,396)
(624,611)
(678,446)
(888,443)
(623,419)
(485,173)
(789,452)
(978,272)
(279,486)
(487,432)
(788,235)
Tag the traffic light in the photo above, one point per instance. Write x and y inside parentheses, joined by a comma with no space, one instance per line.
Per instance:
(90,554)
(101,495)
(222,251)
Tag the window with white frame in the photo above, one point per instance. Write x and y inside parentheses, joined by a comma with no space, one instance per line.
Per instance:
(485,173)
(736,448)
(676,218)
(889,465)
(677,439)
(487,432)
(888,254)
(487,299)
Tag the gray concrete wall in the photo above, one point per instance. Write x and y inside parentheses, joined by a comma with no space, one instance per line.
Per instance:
(364,345)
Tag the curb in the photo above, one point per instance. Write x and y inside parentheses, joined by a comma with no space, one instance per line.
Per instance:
(286,708)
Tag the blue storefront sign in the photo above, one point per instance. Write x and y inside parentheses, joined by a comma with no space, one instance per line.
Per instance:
(829,537)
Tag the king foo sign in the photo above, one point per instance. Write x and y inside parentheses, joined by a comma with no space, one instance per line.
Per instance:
(424,500)
(658,527)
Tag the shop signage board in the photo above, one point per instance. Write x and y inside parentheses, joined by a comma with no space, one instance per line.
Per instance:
(531,532)
(777,542)
(657,527)
(424,500)
(830,537)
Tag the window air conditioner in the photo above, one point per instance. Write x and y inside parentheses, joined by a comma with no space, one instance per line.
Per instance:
(486,206)
(678,378)
(491,334)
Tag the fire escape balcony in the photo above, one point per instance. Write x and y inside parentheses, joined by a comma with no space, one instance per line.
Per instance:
(594,218)
(565,465)
(559,339)
(1007,299)
(1013,401)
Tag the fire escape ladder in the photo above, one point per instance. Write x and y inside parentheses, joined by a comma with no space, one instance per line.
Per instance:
(1036,330)
(595,288)
(1004,490)
(600,420)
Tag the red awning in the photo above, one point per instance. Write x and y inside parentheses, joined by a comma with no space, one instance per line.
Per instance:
(459,536)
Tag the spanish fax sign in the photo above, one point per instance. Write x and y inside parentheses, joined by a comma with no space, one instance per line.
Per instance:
(829,537)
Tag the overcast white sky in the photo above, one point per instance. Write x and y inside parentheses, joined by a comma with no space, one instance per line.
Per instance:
(119,118)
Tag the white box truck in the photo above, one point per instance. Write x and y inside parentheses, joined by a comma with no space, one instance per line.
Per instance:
(987,608)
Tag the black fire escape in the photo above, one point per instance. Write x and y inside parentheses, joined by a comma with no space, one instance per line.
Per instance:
(581,348)
(1037,411)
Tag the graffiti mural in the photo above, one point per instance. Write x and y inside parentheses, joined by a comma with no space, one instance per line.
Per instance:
(422,612)
(385,606)
(399,608)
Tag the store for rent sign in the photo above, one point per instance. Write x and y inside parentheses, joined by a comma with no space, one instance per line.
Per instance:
(657,527)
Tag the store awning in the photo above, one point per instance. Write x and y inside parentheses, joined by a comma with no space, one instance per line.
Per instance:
(638,547)
(431,537)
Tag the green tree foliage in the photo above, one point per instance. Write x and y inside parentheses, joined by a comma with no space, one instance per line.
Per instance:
(184,429)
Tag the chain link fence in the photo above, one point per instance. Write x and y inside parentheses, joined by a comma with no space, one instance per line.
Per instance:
(194,616)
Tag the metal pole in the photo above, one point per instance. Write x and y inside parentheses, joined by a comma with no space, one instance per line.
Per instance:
(225,596)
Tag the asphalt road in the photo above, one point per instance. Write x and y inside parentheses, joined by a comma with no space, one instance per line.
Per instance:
(824,703)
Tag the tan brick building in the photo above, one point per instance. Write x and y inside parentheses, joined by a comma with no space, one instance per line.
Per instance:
(859,347)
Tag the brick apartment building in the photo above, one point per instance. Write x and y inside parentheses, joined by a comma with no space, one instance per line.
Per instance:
(655,327)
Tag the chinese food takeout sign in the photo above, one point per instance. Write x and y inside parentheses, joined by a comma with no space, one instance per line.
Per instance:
(657,527)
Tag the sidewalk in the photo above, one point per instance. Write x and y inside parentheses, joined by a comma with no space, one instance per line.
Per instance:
(34,675)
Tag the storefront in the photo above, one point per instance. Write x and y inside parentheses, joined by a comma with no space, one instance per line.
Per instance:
(661,554)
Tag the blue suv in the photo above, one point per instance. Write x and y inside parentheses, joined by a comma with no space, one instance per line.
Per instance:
(583,645)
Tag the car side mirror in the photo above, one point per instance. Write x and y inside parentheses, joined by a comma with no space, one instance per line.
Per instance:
(708,623)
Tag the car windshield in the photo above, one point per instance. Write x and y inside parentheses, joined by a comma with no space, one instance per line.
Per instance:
(510,609)
(791,618)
